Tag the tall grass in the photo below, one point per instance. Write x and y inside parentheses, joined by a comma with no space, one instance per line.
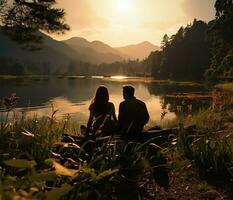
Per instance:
(94,170)
(209,120)
(38,164)
(210,153)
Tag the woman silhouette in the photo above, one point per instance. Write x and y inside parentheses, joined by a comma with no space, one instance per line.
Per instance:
(102,113)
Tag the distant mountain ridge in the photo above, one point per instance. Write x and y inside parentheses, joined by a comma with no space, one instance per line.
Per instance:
(58,55)
(96,50)
(140,51)
(53,53)
(136,51)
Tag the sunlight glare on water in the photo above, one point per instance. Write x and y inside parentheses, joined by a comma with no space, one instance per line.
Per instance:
(119,77)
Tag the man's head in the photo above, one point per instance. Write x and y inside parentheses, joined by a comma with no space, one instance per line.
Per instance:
(128,91)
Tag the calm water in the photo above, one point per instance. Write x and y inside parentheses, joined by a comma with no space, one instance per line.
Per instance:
(73,95)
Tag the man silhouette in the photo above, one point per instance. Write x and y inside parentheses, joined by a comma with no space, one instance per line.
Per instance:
(133,114)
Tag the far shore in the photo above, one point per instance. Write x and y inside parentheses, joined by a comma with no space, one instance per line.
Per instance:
(122,78)
(225,86)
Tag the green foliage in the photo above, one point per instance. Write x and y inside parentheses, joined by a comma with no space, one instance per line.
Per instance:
(36,165)
(210,153)
(34,137)
(43,176)
(57,193)
(20,163)
(107,167)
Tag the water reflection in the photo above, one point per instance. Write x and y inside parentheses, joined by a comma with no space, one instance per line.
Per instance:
(119,77)
(73,95)
(64,107)
(185,104)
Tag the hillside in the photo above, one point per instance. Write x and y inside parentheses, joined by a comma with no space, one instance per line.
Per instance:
(108,54)
(64,56)
(140,51)
(96,51)
(54,54)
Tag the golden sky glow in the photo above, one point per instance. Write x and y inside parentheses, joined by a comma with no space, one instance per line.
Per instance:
(124,6)
(122,22)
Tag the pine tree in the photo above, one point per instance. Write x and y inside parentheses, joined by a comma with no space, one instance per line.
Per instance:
(165,41)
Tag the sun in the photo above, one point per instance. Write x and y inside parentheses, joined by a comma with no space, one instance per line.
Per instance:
(123,5)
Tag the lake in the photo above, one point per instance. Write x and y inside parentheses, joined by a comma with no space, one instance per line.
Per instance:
(72,95)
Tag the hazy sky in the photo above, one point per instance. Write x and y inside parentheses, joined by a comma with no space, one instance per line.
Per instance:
(122,22)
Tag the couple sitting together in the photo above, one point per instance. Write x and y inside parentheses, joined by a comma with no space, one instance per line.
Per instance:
(133,115)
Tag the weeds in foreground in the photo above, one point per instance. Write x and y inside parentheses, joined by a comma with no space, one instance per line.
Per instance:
(100,169)
(209,153)
(209,120)
(39,161)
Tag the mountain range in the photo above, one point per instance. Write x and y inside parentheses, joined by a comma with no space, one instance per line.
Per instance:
(104,53)
(61,53)
(138,51)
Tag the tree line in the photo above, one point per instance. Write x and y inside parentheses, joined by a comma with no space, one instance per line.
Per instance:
(183,56)
(199,51)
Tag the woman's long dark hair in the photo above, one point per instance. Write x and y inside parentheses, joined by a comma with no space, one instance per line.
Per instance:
(100,101)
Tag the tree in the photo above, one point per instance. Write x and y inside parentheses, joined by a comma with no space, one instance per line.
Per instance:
(152,63)
(165,41)
(23,19)
(220,36)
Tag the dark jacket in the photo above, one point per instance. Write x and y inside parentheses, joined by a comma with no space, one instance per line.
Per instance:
(133,115)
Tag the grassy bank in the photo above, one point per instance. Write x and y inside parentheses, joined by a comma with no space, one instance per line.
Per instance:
(39,160)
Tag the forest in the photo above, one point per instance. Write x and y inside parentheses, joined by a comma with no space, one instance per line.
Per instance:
(199,51)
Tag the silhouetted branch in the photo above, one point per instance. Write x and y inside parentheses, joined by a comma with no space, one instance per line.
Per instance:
(25,18)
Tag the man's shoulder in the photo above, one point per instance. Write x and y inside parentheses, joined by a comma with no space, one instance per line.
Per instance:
(123,103)
(132,102)
(138,101)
